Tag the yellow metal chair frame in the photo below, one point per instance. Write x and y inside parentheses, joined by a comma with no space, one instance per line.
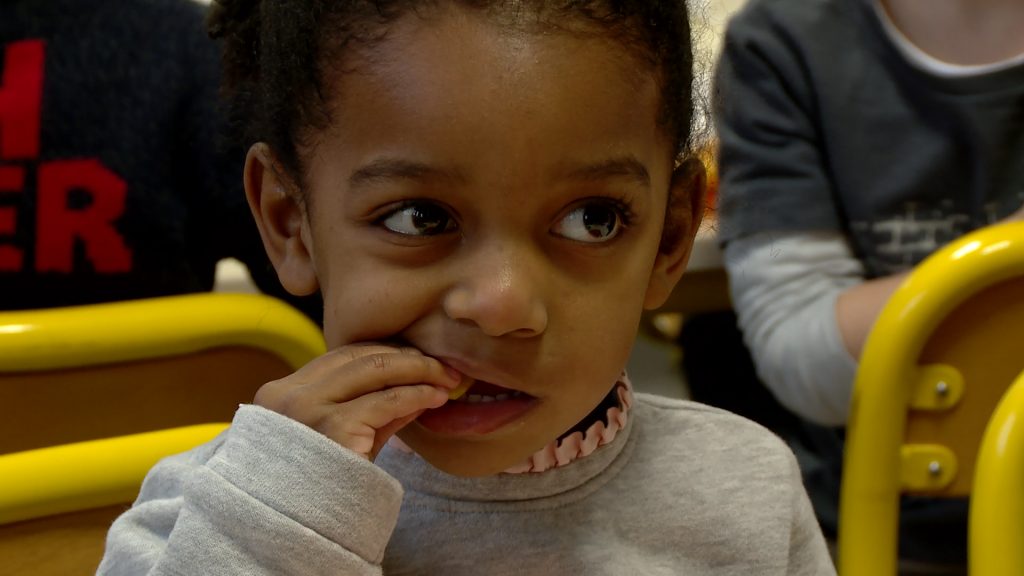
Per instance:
(997,503)
(92,396)
(916,419)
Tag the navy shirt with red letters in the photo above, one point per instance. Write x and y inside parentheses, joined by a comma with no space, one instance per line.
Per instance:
(115,182)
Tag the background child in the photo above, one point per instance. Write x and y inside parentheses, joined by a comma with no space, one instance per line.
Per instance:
(114,179)
(859,136)
(487,194)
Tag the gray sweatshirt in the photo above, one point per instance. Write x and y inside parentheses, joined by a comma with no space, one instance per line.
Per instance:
(683,489)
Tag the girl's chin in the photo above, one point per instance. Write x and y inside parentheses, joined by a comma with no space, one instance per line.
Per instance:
(466,458)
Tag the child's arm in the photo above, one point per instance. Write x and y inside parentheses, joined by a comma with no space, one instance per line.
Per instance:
(859,306)
(270,496)
(784,288)
(274,496)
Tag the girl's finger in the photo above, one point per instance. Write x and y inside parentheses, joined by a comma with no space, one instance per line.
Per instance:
(375,372)
(386,432)
(378,409)
(329,362)
(364,424)
(324,366)
(351,371)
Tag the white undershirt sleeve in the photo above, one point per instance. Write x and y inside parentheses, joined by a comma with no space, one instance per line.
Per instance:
(784,288)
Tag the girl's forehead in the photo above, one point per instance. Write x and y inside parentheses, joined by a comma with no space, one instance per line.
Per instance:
(454,108)
(457,74)
(503,113)
(514,41)
(455,64)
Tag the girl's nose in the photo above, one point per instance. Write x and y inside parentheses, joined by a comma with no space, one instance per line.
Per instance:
(500,296)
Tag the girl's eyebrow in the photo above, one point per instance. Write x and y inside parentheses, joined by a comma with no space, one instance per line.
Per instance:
(383,169)
(628,167)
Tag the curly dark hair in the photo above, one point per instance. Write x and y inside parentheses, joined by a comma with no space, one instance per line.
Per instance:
(276,52)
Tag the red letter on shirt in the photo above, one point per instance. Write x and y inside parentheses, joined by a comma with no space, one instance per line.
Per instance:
(57,226)
(21,96)
(12,179)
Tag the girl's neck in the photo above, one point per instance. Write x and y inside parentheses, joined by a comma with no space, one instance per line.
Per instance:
(961,32)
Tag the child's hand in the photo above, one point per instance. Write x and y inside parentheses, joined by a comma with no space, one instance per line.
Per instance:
(360,395)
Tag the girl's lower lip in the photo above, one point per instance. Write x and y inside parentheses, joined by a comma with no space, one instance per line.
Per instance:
(475,418)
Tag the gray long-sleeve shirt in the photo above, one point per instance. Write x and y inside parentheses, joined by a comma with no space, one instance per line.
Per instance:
(683,489)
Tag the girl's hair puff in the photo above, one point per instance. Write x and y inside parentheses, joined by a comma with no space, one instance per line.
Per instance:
(276,54)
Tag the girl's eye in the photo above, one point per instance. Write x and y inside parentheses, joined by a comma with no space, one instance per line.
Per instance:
(591,223)
(419,219)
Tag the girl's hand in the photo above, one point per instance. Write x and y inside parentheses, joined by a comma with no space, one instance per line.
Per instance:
(360,395)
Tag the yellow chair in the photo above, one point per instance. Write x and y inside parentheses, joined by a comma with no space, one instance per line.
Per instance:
(92,396)
(939,358)
(997,503)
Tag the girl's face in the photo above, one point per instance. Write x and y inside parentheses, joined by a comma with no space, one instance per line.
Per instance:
(496,200)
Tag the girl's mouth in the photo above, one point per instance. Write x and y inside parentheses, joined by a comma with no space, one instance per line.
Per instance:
(482,409)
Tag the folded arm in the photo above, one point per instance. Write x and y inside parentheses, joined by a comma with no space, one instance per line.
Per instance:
(269,496)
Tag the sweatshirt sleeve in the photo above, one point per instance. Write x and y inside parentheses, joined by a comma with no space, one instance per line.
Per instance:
(269,496)
(808,553)
(784,289)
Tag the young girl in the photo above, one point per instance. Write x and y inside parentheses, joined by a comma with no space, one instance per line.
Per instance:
(487,195)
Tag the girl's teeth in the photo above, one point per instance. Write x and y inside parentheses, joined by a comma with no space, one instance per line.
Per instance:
(474,398)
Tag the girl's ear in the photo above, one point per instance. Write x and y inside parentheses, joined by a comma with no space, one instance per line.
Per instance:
(683,214)
(281,219)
